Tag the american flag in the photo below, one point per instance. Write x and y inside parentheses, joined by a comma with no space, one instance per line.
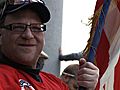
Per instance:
(107,56)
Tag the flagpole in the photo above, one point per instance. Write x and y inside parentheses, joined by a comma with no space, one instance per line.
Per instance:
(98,32)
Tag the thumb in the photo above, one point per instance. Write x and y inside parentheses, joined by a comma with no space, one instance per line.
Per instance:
(82,61)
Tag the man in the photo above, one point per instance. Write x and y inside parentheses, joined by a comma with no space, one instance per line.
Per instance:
(69,76)
(22,31)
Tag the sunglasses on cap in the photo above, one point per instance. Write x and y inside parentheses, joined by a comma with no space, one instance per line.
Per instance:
(16,2)
(9,6)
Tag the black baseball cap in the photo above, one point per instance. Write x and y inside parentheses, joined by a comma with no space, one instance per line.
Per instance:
(10,6)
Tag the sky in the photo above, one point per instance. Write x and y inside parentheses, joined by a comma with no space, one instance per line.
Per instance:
(75,31)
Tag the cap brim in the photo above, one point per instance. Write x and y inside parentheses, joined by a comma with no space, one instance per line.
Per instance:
(39,8)
(43,55)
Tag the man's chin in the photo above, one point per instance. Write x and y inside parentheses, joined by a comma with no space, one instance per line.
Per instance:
(26,59)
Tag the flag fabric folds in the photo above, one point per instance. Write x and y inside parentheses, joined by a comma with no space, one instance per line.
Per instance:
(107,56)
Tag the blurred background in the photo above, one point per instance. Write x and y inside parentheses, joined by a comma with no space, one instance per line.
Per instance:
(68,29)
(75,26)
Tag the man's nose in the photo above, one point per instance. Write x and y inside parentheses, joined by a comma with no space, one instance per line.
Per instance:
(27,34)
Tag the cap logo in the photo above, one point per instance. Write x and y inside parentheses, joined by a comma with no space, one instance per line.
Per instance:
(15,2)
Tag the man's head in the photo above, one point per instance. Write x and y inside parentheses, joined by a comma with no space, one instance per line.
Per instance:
(69,76)
(22,33)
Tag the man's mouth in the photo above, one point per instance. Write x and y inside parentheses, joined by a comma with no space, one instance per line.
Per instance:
(27,45)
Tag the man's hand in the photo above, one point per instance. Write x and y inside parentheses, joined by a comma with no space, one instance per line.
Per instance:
(88,74)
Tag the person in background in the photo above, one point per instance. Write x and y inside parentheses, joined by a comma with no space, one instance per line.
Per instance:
(69,75)
(41,60)
(22,29)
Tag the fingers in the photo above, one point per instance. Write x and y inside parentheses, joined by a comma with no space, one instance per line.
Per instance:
(88,71)
(88,74)
(82,61)
(83,64)
(89,85)
(88,68)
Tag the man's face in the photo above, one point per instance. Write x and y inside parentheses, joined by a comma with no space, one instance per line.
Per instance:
(22,47)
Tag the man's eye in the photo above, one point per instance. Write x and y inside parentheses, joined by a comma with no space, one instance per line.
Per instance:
(36,28)
(18,28)
(14,27)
